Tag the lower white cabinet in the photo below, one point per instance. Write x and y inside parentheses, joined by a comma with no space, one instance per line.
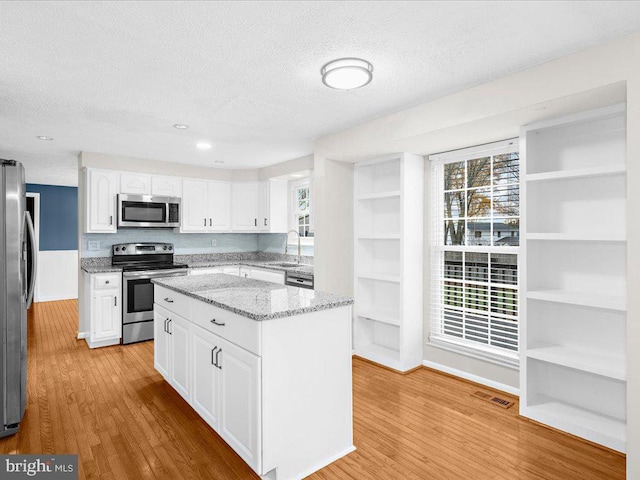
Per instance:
(268,388)
(104,309)
(171,349)
(246,272)
(266,275)
(226,392)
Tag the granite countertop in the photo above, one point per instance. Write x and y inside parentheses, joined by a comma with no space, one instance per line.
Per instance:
(268,265)
(101,268)
(250,298)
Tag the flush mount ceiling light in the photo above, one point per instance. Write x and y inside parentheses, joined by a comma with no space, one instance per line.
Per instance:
(347,73)
(219,161)
(203,145)
(43,137)
(180,126)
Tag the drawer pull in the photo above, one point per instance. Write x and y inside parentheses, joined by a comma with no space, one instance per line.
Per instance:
(107,282)
(217,323)
(217,364)
(168,300)
(212,362)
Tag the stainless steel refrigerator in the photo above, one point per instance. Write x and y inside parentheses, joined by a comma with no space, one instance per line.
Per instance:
(17,281)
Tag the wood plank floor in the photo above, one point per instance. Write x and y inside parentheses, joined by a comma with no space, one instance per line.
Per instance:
(111,407)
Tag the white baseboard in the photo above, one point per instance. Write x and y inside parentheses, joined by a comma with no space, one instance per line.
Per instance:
(82,335)
(55,298)
(473,378)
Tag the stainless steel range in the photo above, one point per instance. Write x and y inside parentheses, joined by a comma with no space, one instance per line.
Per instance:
(140,263)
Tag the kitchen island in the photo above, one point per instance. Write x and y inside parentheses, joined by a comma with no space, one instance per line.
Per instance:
(267,366)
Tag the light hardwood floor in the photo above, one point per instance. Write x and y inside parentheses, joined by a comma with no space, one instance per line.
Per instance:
(111,407)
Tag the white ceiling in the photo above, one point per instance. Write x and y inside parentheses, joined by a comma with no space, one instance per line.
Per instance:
(113,77)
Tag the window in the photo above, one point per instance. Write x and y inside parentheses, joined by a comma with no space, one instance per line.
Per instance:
(300,208)
(474,251)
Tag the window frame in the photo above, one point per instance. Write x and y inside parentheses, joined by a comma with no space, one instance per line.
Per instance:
(294,185)
(437,336)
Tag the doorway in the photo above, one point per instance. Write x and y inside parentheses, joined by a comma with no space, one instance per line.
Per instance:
(33,207)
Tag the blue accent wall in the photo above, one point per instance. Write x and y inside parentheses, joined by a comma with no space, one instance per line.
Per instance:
(58,216)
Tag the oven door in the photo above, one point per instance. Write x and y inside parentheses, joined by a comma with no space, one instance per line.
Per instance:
(137,294)
(148,211)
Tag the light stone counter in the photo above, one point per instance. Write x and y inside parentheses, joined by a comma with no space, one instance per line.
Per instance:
(254,299)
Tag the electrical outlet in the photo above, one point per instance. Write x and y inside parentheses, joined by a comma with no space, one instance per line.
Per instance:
(94,245)
(214,242)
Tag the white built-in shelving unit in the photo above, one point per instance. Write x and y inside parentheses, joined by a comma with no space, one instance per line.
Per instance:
(573,322)
(388,204)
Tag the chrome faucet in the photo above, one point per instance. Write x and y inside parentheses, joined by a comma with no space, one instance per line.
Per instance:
(286,243)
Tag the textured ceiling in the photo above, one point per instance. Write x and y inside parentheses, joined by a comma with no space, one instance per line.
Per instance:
(113,77)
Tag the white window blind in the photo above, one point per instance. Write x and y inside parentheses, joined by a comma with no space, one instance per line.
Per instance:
(475,202)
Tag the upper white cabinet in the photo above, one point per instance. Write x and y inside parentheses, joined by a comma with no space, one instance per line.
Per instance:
(166,186)
(101,188)
(245,207)
(388,260)
(573,320)
(259,206)
(206,206)
(135,183)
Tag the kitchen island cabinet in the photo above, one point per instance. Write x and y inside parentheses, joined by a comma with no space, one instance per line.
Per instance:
(268,367)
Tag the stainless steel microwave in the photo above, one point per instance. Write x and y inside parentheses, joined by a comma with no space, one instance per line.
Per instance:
(148,211)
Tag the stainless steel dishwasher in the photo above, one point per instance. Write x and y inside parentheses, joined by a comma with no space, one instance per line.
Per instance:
(296,279)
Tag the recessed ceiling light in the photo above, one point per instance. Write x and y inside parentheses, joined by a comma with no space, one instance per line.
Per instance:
(180,126)
(203,145)
(42,137)
(347,73)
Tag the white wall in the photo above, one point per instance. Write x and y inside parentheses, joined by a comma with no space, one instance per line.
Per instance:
(57,277)
(474,116)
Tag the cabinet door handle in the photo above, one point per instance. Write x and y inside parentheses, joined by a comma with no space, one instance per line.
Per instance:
(115,301)
(169,327)
(168,300)
(217,364)
(217,323)
(209,222)
(265,222)
(213,350)
(205,222)
(255,222)
(110,219)
(165,325)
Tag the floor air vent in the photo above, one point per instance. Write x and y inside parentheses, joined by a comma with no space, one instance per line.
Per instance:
(501,402)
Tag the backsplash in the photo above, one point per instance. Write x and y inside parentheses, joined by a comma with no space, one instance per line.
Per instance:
(186,243)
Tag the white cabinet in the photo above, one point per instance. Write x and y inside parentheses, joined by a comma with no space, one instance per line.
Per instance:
(135,183)
(172,349)
(244,206)
(574,268)
(264,275)
(206,206)
(105,308)
(226,392)
(273,207)
(166,186)
(230,270)
(101,188)
(239,373)
(388,260)
(205,394)
(238,387)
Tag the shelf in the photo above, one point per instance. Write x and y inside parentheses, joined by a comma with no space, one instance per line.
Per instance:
(380,277)
(598,428)
(375,196)
(577,173)
(587,361)
(578,237)
(379,354)
(609,302)
(379,316)
(382,236)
